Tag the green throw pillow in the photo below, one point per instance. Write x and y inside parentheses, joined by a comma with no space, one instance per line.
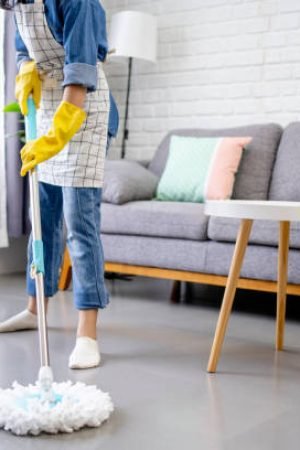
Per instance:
(200,169)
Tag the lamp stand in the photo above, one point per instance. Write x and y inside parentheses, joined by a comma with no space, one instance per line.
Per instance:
(126,131)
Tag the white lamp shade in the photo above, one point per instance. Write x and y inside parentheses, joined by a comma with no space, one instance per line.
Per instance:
(134,35)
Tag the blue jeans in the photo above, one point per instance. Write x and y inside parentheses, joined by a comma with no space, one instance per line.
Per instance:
(80,208)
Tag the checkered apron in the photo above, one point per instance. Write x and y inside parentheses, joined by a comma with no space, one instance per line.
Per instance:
(81,162)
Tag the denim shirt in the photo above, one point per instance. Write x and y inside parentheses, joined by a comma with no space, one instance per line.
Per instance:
(80,27)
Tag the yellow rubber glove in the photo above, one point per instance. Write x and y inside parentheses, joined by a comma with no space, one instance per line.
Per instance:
(67,120)
(28,83)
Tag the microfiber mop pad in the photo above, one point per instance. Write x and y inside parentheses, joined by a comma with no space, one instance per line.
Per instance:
(24,411)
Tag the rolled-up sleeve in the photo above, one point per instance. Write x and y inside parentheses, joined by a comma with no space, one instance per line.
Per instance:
(84,35)
(21,49)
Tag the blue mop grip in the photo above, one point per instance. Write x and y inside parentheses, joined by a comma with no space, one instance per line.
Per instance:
(30,121)
(38,257)
(31,134)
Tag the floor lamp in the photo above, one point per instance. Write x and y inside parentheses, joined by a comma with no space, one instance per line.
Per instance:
(132,35)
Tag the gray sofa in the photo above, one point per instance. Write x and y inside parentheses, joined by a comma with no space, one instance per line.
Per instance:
(142,236)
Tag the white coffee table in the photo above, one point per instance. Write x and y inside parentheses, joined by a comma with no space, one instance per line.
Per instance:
(247,211)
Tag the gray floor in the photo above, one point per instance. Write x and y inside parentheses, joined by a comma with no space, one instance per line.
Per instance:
(154,366)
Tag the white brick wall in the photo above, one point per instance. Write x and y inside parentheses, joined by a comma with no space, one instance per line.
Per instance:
(220,63)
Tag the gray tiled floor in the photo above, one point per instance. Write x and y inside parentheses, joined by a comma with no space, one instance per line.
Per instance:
(154,361)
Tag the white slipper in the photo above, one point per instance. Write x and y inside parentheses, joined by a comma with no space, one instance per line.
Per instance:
(85,354)
(25,320)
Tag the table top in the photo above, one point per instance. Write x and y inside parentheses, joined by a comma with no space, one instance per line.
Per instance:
(254,209)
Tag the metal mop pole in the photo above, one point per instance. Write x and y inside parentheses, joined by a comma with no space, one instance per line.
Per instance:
(37,268)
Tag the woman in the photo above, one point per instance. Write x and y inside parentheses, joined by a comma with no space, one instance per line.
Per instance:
(61,46)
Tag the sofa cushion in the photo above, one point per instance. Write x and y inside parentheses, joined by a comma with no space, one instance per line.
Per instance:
(264,232)
(206,257)
(200,168)
(285,183)
(253,178)
(260,262)
(126,181)
(154,218)
(150,251)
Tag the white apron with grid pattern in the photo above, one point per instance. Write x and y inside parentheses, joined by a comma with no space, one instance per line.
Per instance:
(81,162)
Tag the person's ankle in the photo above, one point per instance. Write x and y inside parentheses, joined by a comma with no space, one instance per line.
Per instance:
(86,333)
(32,306)
(87,324)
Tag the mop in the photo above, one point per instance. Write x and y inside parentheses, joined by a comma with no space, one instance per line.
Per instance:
(47,406)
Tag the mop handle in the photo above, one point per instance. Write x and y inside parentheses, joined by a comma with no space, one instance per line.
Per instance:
(37,243)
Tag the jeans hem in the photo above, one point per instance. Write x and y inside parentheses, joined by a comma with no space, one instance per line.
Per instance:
(87,301)
(32,293)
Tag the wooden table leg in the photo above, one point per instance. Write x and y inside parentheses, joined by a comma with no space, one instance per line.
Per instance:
(236,264)
(283,254)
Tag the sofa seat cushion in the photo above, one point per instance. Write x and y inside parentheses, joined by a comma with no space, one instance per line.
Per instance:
(264,232)
(150,251)
(260,262)
(154,218)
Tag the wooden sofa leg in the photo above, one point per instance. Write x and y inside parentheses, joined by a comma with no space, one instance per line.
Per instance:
(66,272)
(175,293)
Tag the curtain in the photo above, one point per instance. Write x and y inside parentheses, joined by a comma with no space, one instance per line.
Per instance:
(3,218)
(17,187)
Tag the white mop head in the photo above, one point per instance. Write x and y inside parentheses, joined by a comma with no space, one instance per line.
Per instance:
(23,410)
